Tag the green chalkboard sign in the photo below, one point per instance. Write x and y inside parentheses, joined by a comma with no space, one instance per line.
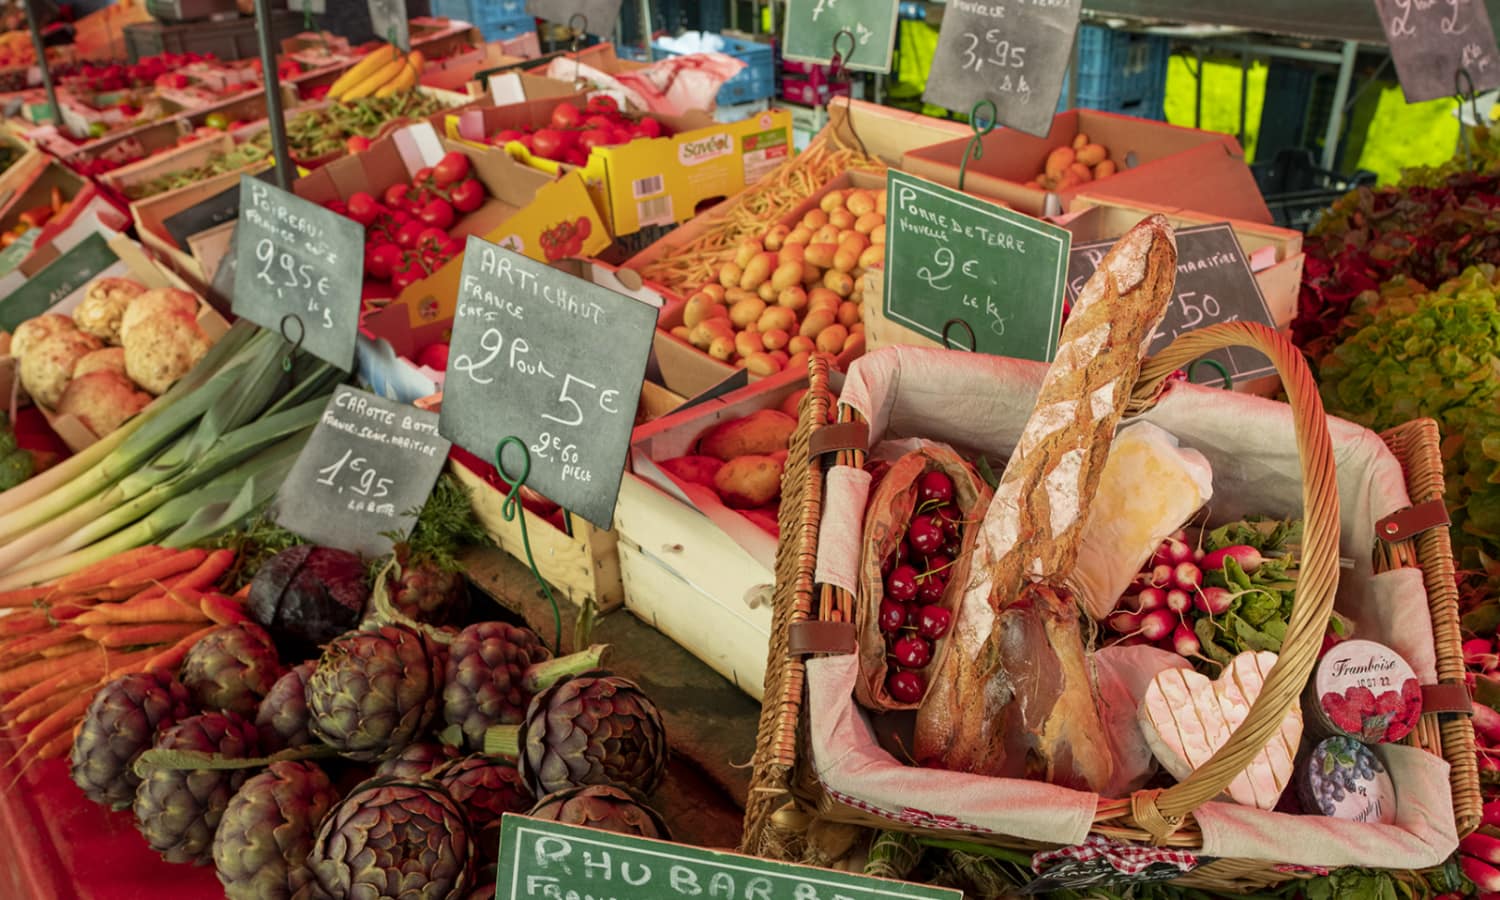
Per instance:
(57,280)
(812,25)
(19,249)
(550,859)
(949,256)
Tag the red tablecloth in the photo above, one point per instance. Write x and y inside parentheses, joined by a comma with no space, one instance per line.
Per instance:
(57,845)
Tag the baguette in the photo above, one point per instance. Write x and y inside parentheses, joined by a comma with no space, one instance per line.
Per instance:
(1013,696)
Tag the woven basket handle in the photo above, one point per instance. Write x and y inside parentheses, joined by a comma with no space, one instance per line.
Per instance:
(1162,812)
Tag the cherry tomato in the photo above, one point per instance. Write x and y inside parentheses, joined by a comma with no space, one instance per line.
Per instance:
(467,195)
(423,176)
(650,126)
(602,103)
(410,233)
(548,143)
(565,115)
(407,277)
(363,208)
(381,259)
(437,214)
(395,196)
(453,167)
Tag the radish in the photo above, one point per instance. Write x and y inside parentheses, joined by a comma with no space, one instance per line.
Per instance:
(1171,552)
(1185,642)
(1179,601)
(1198,555)
(1123,621)
(1481,846)
(1487,724)
(1248,557)
(1161,575)
(1489,767)
(1186,576)
(1157,624)
(1482,874)
(1490,814)
(1480,654)
(1214,601)
(1179,535)
(1149,599)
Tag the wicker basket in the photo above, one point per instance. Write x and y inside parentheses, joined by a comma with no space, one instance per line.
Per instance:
(786,799)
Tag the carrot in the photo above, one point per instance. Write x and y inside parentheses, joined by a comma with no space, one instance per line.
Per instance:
(74,646)
(36,643)
(29,622)
(172,657)
(100,573)
(116,594)
(58,746)
(208,572)
(24,596)
(46,706)
(86,672)
(67,611)
(178,562)
(134,612)
(24,676)
(118,663)
(222,610)
(59,721)
(243,593)
(139,635)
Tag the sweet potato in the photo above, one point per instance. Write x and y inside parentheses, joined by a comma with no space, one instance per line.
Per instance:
(693,469)
(1092,154)
(1105,169)
(759,433)
(1080,140)
(1058,161)
(1082,172)
(749,481)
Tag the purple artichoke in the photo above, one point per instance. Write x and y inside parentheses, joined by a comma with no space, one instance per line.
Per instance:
(178,810)
(121,722)
(261,846)
(394,838)
(374,692)
(486,666)
(416,760)
(282,717)
(231,668)
(486,787)
(605,806)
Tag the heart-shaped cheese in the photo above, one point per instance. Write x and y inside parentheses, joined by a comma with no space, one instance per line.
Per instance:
(1186,718)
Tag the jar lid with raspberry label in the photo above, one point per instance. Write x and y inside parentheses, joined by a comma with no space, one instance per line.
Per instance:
(1363,690)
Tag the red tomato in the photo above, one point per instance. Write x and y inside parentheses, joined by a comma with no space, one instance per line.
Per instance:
(434,356)
(505,136)
(357,143)
(467,195)
(583,226)
(407,277)
(381,259)
(423,176)
(528,141)
(549,143)
(574,156)
(598,121)
(650,127)
(602,103)
(619,135)
(565,115)
(452,167)
(591,139)
(407,237)
(363,208)
(395,196)
(437,214)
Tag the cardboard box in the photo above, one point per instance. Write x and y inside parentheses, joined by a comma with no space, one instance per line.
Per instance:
(133,263)
(694,569)
(27,163)
(601,56)
(460,73)
(1176,167)
(84,199)
(151,214)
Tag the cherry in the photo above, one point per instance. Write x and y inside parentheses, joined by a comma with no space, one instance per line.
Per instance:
(887,565)
(952,520)
(935,485)
(952,548)
(938,563)
(892,616)
(930,587)
(903,551)
(925,535)
(933,622)
(906,687)
(912,652)
(901,584)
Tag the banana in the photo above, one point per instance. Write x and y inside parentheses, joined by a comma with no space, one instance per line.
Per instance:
(375,59)
(374,82)
(402,82)
(417,60)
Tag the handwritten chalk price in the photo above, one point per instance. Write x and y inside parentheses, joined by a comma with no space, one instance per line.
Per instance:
(290,276)
(1435,42)
(361,477)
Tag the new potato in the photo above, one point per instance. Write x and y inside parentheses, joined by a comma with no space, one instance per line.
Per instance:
(757,434)
(749,481)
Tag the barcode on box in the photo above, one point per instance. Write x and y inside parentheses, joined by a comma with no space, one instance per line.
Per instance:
(646,187)
(656,211)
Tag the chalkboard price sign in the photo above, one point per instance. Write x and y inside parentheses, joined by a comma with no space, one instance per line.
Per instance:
(554,360)
(1013,53)
(952,256)
(295,258)
(1433,40)
(369,464)
(1214,284)
(599,16)
(549,859)
(59,278)
(812,25)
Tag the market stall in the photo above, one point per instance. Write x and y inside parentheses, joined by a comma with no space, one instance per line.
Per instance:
(434,468)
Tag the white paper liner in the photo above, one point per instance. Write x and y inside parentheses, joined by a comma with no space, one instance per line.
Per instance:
(839,546)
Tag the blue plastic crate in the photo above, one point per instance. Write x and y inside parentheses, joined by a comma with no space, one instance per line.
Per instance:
(756,81)
(1119,71)
(506,29)
(497,13)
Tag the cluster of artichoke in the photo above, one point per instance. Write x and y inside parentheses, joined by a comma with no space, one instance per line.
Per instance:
(240,759)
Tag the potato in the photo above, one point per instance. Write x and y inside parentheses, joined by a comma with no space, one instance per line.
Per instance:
(860,202)
(877,237)
(873,255)
(854,345)
(831,339)
(845,260)
(776,237)
(761,363)
(792,405)
(761,432)
(734,295)
(704,333)
(811,274)
(692,469)
(786,275)
(745,312)
(766,292)
(1081,172)
(780,357)
(867,222)
(857,328)
(793,298)
(848,313)
(815,219)
(1092,154)
(823,298)
(799,344)
(816,321)
(715,291)
(757,270)
(841,218)
(729,275)
(840,283)
(880,199)
(776,317)
(1058,161)
(722,348)
(697,309)
(682,332)
(745,252)
(828,234)
(791,253)
(775,339)
(749,481)
(853,240)
(831,201)
(820,254)
(1080,140)
(1105,169)
(799,361)
(800,235)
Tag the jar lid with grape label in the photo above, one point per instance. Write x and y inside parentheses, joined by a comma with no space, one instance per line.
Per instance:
(1343,779)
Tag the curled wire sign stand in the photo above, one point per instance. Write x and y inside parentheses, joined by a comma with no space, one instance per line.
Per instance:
(513,511)
(982,123)
(286,362)
(948,326)
(840,73)
(577,32)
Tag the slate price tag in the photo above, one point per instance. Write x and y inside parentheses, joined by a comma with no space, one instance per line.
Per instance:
(949,255)
(599,16)
(59,278)
(1433,40)
(388,21)
(205,214)
(549,859)
(295,258)
(365,472)
(811,26)
(553,360)
(1013,53)
(1214,284)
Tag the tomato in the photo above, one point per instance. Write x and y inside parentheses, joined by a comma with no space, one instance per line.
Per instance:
(407,236)
(505,136)
(467,195)
(437,214)
(548,143)
(618,135)
(407,276)
(650,127)
(598,121)
(583,226)
(217,121)
(381,259)
(434,356)
(363,208)
(602,103)
(528,141)
(591,139)
(357,143)
(423,176)
(573,156)
(565,115)
(451,168)
(395,196)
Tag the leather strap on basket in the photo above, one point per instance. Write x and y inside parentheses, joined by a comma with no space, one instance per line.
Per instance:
(1412,521)
(839,436)
(1447,698)
(1162,813)
(816,636)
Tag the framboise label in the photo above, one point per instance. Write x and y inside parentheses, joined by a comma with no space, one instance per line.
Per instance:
(1366,691)
(1344,779)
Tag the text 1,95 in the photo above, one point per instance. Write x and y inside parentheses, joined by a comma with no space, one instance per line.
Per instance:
(574,397)
(554,449)
(360,478)
(282,272)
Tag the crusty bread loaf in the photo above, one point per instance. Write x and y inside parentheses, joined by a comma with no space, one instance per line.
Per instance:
(1030,536)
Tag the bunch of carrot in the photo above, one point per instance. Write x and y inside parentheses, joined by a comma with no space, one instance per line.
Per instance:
(136,611)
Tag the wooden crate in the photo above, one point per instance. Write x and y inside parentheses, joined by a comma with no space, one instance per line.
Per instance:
(151,214)
(177,159)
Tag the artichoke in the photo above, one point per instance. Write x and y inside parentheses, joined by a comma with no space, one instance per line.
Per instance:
(282,718)
(416,760)
(604,806)
(425,592)
(374,692)
(394,839)
(261,847)
(178,810)
(594,728)
(120,724)
(487,663)
(231,668)
(487,788)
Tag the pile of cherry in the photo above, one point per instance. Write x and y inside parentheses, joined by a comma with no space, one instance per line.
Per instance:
(1156,607)
(912,614)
